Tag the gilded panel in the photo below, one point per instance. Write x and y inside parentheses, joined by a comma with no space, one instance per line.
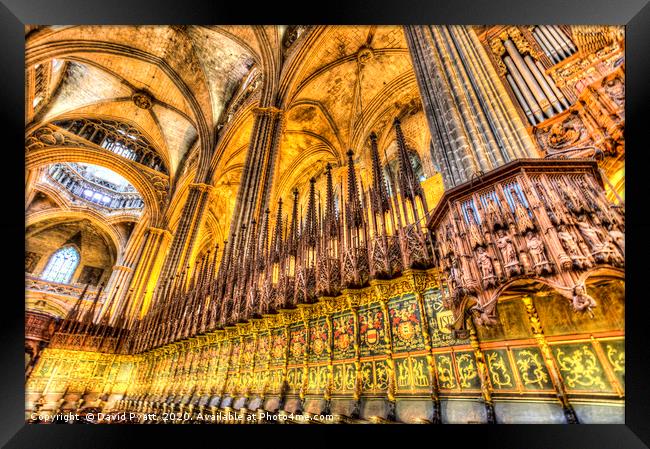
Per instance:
(446,373)
(615,354)
(297,343)
(512,323)
(275,381)
(246,380)
(467,372)
(47,365)
(344,375)
(318,340)
(406,324)
(501,375)
(372,330)
(412,374)
(439,318)
(263,348)
(83,369)
(278,346)
(234,355)
(258,380)
(224,354)
(317,379)
(231,383)
(248,352)
(312,379)
(66,365)
(558,317)
(343,326)
(115,369)
(532,369)
(294,379)
(220,379)
(100,369)
(580,367)
(374,376)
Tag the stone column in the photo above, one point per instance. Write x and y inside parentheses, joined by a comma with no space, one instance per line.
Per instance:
(120,278)
(474,125)
(258,169)
(146,273)
(192,218)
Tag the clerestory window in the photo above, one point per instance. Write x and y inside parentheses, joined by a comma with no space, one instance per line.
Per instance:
(61,265)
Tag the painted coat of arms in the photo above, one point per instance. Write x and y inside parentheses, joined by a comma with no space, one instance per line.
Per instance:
(343,335)
(372,330)
(405,323)
(279,345)
(298,343)
(318,339)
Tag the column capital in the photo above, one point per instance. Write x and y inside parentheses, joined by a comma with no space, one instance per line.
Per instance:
(202,187)
(122,268)
(270,111)
(157,231)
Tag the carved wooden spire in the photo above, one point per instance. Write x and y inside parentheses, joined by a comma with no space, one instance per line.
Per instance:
(379,193)
(355,269)
(354,212)
(330,219)
(306,271)
(385,253)
(408,183)
(310,226)
(74,313)
(275,253)
(328,276)
(292,238)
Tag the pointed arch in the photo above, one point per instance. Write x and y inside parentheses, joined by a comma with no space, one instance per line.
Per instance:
(62,264)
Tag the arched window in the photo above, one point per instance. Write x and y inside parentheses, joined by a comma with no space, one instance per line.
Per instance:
(61,265)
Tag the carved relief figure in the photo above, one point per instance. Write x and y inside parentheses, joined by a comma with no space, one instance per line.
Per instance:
(562,134)
(508,252)
(571,247)
(590,234)
(486,267)
(536,248)
(617,237)
(454,275)
(615,88)
(581,300)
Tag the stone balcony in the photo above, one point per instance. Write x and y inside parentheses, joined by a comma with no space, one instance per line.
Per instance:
(33,283)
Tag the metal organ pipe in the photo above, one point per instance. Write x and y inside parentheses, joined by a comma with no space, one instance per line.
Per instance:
(541,79)
(530,99)
(558,47)
(525,72)
(561,38)
(558,92)
(546,45)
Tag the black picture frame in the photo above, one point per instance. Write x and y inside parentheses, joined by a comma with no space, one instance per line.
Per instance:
(635,14)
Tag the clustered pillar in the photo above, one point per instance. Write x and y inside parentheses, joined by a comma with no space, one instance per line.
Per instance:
(473,125)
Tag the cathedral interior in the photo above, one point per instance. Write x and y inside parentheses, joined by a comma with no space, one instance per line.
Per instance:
(345,224)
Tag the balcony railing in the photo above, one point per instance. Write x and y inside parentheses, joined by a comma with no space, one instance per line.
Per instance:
(34,283)
(93,191)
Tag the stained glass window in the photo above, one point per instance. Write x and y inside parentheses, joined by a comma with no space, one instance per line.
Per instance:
(61,265)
